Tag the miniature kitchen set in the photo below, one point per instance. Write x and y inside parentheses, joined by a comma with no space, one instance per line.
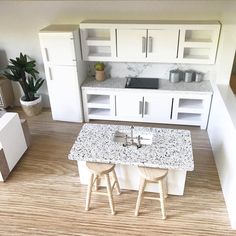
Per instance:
(130,49)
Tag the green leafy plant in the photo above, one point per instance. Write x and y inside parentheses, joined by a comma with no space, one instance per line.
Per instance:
(100,66)
(23,71)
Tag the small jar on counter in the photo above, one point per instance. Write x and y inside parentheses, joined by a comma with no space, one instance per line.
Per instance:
(175,75)
(188,76)
(199,76)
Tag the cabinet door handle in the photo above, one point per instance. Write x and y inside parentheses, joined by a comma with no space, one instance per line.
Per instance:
(140,107)
(143,44)
(46,53)
(145,108)
(149,44)
(171,109)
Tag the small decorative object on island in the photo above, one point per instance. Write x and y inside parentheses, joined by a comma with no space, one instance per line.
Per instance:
(100,74)
(23,71)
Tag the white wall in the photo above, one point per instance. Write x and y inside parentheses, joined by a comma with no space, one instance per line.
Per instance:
(222,134)
(22,20)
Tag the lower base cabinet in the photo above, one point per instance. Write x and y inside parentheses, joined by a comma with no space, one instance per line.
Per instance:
(147,108)
(154,107)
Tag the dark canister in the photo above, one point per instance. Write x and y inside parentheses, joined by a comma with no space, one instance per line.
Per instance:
(174,76)
(188,76)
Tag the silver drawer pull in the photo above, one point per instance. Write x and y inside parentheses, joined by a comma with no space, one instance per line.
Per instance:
(140,107)
(146,108)
(143,44)
(149,44)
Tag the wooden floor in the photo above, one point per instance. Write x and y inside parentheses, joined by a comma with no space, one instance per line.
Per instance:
(43,195)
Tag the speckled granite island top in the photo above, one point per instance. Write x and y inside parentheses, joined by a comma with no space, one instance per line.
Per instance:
(170,148)
(164,85)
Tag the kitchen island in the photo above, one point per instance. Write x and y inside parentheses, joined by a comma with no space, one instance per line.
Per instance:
(169,148)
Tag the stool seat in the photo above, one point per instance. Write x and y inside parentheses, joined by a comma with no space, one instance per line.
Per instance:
(152,174)
(100,168)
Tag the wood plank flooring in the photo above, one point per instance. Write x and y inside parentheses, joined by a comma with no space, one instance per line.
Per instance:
(43,195)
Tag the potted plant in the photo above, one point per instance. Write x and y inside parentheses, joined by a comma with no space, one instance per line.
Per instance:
(99,67)
(23,71)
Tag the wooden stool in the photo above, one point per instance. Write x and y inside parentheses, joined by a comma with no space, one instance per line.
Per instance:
(98,170)
(152,175)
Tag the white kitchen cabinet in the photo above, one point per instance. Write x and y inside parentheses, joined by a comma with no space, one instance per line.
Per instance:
(98,104)
(143,107)
(191,109)
(157,108)
(170,107)
(150,41)
(98,42)
(129,107)
(60,48)
(198,43)
(156,45)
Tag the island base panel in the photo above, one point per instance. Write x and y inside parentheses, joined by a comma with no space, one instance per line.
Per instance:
(128,177)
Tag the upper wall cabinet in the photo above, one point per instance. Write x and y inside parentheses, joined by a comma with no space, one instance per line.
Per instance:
(198,43)
(98,43)
(150,41)
(157,45)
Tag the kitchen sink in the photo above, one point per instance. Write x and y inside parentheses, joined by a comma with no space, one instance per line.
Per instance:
(132,138)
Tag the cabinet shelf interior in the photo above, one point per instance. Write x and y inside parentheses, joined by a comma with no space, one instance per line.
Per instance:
(196,53)
(98,34)
(189,117)
(102,51)
(198,36)
(99,112)
(191,103)
(98,99)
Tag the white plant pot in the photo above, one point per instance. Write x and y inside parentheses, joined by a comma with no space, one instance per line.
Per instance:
(32,108)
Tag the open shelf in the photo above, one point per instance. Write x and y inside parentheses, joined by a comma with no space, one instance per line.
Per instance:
(190,103)
(199,36)
(98,34)
(98,112)
(189,117)
(98,42)
(196,53)
(98,101)
(99,51)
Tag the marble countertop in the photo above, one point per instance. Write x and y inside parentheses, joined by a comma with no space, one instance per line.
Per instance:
(164,85)
(170,148)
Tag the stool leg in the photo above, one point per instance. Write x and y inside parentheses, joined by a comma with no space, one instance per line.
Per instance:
(109,193)
(89,191)
(140,193)
(116,182)
(162,200)
(166,187)
(95,183)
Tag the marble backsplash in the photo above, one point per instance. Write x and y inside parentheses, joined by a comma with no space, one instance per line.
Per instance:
(151,70)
